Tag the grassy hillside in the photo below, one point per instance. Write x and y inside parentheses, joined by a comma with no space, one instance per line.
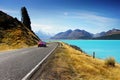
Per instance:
(13,34)
(71,64)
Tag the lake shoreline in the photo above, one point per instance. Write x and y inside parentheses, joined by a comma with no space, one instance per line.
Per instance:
(70,64)
(102,48)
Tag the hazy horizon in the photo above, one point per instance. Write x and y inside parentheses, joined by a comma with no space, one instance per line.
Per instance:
(53,16)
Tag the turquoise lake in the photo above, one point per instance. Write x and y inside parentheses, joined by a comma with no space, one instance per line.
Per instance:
(102,48)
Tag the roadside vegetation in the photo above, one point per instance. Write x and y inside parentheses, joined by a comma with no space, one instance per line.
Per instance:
(71,64)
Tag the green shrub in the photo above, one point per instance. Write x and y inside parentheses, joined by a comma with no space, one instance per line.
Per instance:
(110,62)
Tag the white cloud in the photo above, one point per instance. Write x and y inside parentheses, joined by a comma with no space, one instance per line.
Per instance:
(88,21)
(96,19)
(91,21)
(92,18)
(48,29)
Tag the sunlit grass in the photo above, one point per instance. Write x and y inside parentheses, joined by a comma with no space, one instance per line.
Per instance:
(71,64)
(110,61)
(16,38)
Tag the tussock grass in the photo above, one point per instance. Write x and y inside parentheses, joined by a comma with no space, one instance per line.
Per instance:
(110,61)
(71,64)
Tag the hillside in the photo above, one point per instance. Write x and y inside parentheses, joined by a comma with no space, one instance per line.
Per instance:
(71,64)
(13,34)
(75,34)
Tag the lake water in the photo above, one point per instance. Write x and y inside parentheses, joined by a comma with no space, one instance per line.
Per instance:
(102,48)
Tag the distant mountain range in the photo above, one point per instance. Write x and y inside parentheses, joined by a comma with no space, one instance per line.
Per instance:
(82,34)
(73,34)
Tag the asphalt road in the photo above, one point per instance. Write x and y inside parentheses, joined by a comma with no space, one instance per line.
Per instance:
(14,65)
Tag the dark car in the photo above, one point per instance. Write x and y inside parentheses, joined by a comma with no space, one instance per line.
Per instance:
(41,44)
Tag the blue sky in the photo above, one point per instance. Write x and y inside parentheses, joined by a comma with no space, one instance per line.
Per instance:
(53,16)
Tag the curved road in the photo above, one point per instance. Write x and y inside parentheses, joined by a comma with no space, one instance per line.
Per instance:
(14,65)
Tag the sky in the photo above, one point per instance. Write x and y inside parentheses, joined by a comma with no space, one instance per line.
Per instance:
(53,16)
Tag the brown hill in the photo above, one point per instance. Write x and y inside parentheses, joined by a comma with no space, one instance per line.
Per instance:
(13,34)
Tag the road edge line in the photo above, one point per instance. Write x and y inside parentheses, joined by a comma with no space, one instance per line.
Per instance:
(30,74)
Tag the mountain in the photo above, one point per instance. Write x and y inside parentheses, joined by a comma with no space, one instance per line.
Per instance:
(62,35)
(113,31)
(111,34)
(73,34)
(14,34)
(82,34)
(43,35)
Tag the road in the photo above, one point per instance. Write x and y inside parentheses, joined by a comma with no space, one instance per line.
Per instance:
(14,65)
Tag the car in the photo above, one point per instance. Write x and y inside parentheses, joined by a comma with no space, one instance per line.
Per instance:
(41,44)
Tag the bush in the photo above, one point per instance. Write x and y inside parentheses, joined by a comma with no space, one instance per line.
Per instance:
(110,62)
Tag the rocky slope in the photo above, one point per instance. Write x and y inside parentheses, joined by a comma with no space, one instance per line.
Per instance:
(13,34)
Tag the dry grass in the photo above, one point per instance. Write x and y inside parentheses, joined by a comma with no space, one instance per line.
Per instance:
(14,35)
(17,38)
(110,62)
(70,64)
